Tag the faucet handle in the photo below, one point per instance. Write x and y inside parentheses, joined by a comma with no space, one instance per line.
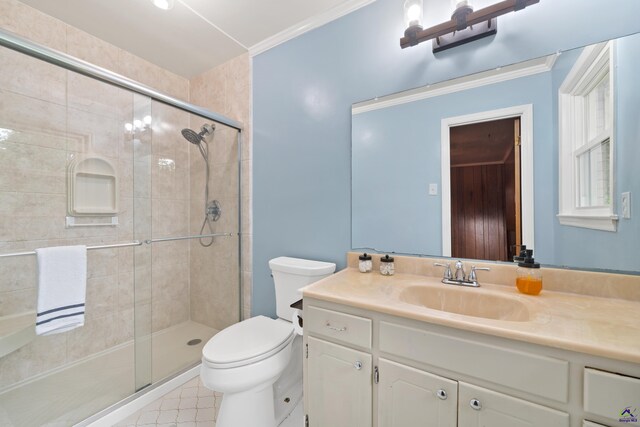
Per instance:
(472,276)
(447,270)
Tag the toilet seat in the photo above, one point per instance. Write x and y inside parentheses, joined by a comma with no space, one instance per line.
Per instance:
(247,342)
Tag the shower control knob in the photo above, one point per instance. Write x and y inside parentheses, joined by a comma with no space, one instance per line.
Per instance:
(358,365)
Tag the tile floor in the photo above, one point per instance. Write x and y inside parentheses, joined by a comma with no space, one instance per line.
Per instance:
(190,405)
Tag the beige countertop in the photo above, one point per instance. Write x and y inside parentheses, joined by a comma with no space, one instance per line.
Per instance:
(598,326)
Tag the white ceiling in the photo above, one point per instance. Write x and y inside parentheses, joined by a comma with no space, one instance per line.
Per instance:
(195,35)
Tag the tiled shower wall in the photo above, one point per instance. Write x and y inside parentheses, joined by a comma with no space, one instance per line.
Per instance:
(225,89)
(60,114)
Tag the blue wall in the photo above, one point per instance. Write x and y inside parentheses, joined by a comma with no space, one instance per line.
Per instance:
(302,96)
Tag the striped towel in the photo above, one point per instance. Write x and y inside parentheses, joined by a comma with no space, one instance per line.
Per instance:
(62,287)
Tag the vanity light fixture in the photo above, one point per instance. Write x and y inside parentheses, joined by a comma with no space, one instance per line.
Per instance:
(163,4)
(466,25)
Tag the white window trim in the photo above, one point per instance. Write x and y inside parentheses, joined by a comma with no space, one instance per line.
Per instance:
(525,113)
(588,65)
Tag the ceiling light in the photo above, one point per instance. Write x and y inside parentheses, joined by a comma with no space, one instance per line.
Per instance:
(163,4)
(466,25)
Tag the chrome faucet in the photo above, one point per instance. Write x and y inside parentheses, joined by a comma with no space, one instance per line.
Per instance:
(459,277)
(460,274)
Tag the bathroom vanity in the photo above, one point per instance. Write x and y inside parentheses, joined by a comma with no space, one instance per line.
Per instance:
(407,350)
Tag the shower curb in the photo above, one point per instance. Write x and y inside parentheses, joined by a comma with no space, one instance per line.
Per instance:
(129,406)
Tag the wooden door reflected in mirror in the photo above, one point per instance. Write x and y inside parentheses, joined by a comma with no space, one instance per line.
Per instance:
(486,219)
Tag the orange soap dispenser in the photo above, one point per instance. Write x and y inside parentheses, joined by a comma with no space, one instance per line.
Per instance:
(529,276)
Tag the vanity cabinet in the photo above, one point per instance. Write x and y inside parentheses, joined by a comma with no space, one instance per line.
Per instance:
(339,379)
(411,397)
(370,369)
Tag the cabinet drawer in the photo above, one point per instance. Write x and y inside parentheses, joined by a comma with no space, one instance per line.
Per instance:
(338,326)
(539,375)
(608,395)
(482,407)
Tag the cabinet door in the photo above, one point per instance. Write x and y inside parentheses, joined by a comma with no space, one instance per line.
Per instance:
(410,397)
(339,386)
(479,407)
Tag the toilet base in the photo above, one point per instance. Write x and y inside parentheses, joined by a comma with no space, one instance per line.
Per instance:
(248,408)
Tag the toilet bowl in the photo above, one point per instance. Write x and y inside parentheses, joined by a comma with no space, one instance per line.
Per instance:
(252,363)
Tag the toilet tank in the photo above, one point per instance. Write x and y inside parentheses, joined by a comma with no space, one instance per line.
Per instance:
(291,274)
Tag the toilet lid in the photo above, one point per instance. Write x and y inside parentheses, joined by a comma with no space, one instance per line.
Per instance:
(247,340)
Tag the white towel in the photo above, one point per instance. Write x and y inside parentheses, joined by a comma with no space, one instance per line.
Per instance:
(62,288)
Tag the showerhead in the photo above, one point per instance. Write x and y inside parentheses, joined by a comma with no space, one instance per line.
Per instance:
(197,138)
(192,136)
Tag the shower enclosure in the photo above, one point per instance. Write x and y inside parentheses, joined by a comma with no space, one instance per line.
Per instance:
(151,185)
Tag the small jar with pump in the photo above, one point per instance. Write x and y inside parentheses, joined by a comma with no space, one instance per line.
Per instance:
(387,266)
(365,265)
(529,276)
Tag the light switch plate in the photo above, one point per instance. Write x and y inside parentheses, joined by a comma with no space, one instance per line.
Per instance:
(626,205)
(433,189)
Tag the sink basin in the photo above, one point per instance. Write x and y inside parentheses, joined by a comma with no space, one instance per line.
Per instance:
(468,302)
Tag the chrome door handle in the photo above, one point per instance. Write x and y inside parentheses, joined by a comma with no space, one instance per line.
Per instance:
(442,395)
(333,328)
(358,365)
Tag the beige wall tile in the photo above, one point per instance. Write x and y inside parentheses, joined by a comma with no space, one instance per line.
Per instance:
(32,24)
(40,119)
(91,49)
(145,72)
(102,296)
(97,334)
(17,273)
(41,355)
(20,301)
(43,81)
(225,89)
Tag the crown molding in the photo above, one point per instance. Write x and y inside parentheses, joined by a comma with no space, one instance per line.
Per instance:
(308,25)
(500,74)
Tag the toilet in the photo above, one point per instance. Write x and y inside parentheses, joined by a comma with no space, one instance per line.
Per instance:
(257,363)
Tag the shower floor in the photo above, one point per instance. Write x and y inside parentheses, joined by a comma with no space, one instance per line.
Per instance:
(65,397)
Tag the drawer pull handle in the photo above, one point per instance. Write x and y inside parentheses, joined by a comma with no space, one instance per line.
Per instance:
(475,404)
(358,365)
(333,328)
(442,395)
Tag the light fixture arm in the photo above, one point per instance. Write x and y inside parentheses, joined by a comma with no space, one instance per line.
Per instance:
(466,18)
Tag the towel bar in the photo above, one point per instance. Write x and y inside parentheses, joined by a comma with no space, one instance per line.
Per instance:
(134,243)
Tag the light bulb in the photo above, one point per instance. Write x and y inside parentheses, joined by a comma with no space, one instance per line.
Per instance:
(412,13)
(163,4)
(128,127)
(137,124)
(147,120)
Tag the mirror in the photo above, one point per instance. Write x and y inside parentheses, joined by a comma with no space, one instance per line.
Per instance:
(411,148)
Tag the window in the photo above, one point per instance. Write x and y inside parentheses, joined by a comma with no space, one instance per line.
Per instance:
(587,141)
